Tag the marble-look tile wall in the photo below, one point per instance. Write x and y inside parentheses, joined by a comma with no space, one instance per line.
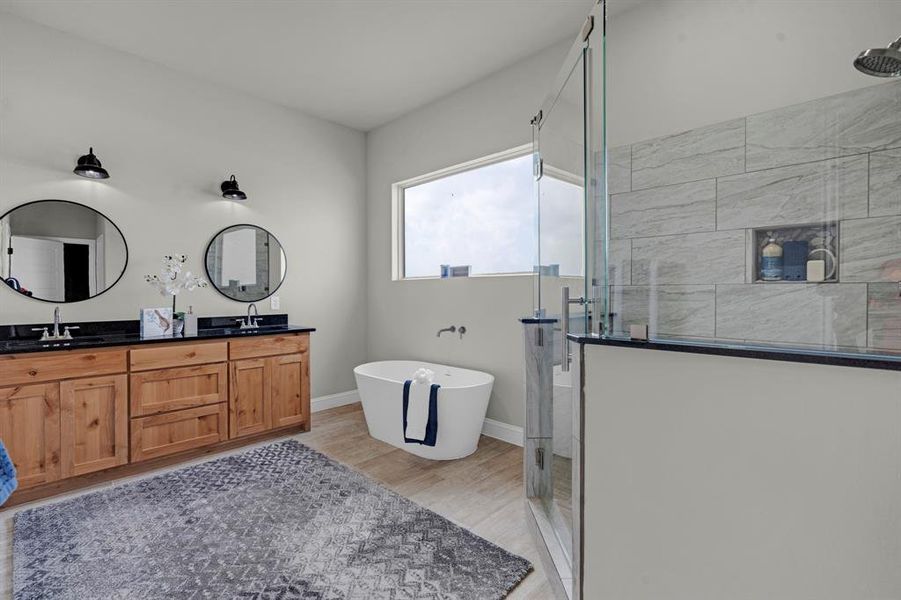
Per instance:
(683,207)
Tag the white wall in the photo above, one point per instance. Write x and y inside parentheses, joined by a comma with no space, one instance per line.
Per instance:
(783,487)
(487,117)
(168,140)
(675,65)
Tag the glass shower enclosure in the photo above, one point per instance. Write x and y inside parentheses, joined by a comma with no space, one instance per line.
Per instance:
(569,294)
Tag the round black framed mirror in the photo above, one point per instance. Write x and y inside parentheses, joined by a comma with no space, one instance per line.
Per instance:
(245,263)
(60,251)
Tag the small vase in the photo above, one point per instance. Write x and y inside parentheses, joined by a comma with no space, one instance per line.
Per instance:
(178,327)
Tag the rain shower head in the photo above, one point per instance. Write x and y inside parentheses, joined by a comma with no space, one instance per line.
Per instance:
(881,62)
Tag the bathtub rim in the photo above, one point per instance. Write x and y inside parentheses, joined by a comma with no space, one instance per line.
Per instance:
(490,381)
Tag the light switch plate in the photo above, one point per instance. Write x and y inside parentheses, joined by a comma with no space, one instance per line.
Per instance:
(274,302)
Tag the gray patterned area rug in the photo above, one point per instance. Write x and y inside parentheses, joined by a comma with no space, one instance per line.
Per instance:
(278,522)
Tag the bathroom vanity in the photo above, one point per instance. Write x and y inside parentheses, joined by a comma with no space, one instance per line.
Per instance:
(99,407)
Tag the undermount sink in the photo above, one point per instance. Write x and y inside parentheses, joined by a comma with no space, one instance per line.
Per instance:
(39,343)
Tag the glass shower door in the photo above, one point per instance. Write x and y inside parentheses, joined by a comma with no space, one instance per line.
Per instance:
(561,226)
(570,286)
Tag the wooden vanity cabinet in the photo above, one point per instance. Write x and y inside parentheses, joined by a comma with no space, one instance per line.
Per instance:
(270,390)
(29,428)
(251,396)
(69,413)
(93,424)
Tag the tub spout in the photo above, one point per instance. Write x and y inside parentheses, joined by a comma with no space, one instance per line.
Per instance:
(450,329)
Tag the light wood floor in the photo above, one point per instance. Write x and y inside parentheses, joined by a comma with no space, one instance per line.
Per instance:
(482,492)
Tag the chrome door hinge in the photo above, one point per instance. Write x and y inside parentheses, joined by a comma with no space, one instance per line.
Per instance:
(587,28)
(536,120)
(538,168)
(539,458)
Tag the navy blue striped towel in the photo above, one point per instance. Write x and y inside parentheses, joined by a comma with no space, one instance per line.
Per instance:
(431,429)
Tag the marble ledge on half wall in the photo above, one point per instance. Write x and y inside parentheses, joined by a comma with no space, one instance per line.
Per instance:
(843,358)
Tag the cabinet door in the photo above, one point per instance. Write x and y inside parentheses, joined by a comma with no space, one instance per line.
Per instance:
(29,428)
(249,397)
(290,389)
(93,424)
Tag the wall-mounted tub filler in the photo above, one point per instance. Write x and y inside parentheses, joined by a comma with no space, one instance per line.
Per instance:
(451,329)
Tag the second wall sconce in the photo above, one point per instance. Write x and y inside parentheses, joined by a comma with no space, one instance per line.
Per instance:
(230,190)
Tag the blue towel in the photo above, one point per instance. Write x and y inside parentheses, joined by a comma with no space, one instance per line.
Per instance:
(8,483)
(431,428)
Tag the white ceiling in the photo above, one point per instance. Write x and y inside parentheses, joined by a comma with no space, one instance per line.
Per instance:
(361,63)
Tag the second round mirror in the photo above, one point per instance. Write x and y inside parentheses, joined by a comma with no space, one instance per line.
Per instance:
(245,263)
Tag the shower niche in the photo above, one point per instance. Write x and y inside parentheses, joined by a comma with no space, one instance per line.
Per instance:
(809,254)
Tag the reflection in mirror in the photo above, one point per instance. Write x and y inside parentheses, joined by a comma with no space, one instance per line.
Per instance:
(245,263)
(60,251)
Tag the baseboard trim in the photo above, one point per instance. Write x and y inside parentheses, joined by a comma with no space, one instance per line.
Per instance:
(334,400)
(503,431)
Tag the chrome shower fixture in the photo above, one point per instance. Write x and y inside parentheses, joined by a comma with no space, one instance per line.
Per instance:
(881,62)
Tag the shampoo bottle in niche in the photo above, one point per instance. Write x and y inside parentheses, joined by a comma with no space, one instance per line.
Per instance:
(771,260)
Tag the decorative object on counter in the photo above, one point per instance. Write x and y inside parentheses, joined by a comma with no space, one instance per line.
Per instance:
(172,280)
(8,482)
(156,322)
(816,270)
(230,190)
(245,263)
(89,166)
(45,259)
(451,271)
(794,261)
(771,260)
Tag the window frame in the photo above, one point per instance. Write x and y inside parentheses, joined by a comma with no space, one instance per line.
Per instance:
(398,262)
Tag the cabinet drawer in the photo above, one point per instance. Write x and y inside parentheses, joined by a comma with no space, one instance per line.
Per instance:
(165,390)
(178,355)
(35,367)
(177,431)
(269,345)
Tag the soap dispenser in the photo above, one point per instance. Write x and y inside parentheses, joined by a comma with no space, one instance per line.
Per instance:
(190,322)
(771,260)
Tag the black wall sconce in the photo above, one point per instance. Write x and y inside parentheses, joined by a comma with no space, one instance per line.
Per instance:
(89,166)
(230,190)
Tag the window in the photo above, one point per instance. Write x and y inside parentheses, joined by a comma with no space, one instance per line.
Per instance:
(482,214)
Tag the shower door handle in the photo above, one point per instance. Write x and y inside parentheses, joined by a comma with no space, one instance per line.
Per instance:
(565,301)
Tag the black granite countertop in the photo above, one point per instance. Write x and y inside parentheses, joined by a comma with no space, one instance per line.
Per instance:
(862,359)
(20,339)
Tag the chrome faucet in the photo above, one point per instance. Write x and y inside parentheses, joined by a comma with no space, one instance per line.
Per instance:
(56,322)
(56,335)
(251,322)
(450,329)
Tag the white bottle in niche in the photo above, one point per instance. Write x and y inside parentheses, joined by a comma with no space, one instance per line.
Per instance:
(771,260)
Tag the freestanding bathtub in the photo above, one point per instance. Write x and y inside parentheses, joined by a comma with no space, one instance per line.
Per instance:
(462,402)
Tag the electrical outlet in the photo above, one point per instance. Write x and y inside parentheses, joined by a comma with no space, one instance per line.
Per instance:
(274,302)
